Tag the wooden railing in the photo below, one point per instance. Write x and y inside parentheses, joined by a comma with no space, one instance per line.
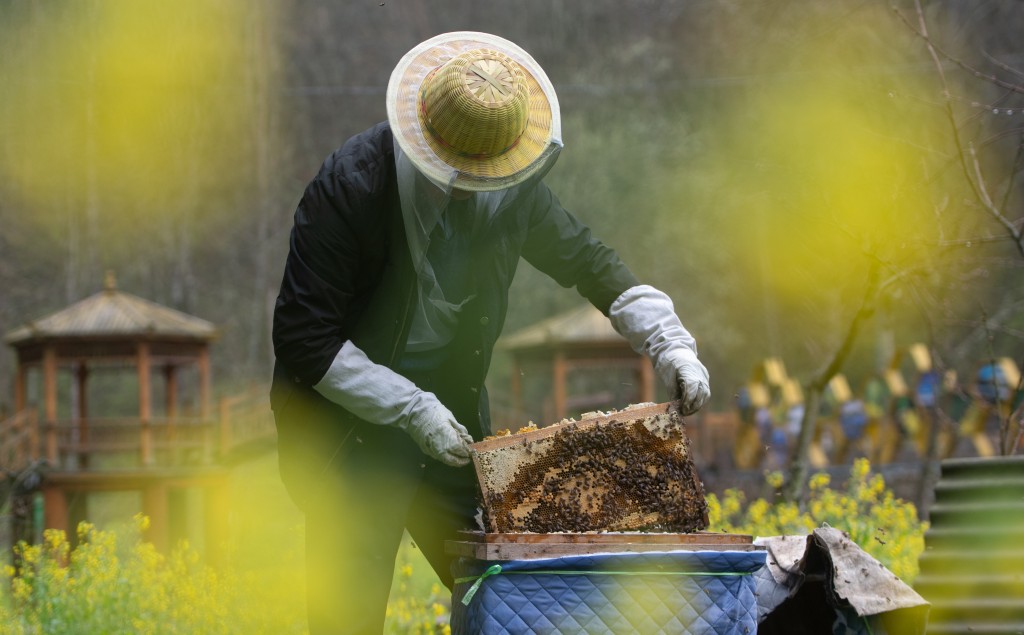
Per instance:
(107,442)
(244,425)
(19,441)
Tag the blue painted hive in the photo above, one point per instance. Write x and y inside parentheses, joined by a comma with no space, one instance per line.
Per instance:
(688,592)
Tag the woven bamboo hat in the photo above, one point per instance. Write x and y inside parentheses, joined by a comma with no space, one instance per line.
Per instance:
(473,111)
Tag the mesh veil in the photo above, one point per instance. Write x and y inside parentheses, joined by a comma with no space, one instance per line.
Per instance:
(424,205)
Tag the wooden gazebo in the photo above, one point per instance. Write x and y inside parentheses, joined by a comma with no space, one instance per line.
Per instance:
(162,451)
(582,364)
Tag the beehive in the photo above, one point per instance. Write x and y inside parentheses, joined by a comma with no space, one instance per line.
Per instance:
(624,471)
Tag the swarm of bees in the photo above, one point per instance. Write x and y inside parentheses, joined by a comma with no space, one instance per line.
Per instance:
(621,475)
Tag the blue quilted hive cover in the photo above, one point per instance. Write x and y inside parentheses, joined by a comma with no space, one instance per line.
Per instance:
(696,592)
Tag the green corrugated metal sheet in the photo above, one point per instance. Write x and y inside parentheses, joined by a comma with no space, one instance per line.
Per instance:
(972,568)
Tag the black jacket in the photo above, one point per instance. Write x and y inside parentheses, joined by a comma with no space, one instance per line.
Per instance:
(349,275)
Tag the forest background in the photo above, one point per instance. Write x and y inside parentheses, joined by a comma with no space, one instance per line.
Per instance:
(783,169)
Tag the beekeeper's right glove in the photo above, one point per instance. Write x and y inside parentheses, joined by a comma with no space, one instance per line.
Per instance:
(377,394)
(645,316)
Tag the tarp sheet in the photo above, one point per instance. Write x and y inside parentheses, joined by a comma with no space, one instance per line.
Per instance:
(826,583)
(687,592)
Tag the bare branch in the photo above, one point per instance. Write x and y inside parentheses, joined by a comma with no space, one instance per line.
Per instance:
(994,211)
(971,242)
(1003,65)
(816,386)
(1013,173)
(978,187)
(935,50)
(968,340)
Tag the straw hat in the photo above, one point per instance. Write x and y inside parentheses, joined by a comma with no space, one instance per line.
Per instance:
(475,108)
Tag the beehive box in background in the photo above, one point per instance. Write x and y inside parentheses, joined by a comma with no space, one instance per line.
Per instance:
(624,471)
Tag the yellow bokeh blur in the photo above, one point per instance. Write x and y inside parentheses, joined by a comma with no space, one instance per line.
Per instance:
(129,107)
(829,160)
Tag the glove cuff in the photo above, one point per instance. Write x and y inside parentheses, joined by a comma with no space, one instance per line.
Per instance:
(647,319)
(373,392)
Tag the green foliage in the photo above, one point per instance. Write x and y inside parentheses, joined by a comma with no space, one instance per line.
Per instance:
(419,603)
(884,526)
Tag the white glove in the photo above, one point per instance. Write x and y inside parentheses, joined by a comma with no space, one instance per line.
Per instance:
(438,434)
(647,319)
(377,394)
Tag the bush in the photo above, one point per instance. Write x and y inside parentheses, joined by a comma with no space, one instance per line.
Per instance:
(884,526)
(419,604)
(118,583)
(115,582)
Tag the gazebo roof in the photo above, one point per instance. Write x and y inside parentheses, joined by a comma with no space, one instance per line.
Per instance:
(113,314)
(581,326)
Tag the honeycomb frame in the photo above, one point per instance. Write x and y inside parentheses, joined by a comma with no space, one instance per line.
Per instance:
(630,470)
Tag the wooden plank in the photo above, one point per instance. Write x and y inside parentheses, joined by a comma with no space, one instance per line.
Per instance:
(545,432)
(134,478)
(112,447)
(604,538)
(528,551)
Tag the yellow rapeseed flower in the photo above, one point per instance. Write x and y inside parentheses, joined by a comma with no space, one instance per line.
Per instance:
(881,524)
(141,521)
(860,469)
(820,481)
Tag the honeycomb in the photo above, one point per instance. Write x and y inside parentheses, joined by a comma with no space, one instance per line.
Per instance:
(626,471)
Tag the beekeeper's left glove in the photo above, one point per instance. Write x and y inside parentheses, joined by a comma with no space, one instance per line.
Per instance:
(647,319)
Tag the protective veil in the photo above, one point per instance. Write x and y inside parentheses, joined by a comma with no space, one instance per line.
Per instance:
(428,212)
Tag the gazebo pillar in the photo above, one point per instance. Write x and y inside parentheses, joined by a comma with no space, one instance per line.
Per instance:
(82,378)
(559,372)
(145,410)
(646,379)
(517,388)
(203,364)
(171,406)
(171,384)
(20,387)
(215,520)
(55,508)
(155,506)
(50,402)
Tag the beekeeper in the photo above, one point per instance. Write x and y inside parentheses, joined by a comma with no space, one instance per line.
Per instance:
(395,289)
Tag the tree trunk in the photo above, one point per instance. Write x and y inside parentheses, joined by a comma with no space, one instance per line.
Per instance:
(799,467)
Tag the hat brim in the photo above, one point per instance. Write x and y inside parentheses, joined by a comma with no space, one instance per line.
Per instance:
(440,163)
